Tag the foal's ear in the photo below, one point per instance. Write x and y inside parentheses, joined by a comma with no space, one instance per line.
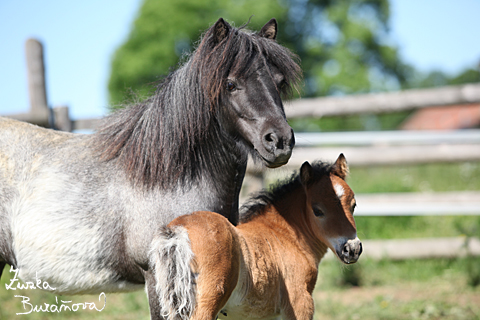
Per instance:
(340,168)
(269,30)
(220,30)
(305,173)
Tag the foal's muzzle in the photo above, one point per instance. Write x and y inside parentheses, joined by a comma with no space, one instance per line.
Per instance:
(351,251)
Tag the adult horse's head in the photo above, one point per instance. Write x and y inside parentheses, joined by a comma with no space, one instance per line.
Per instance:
(222,103)
(245,76)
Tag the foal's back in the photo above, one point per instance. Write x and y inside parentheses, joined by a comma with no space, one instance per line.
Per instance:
(243,271)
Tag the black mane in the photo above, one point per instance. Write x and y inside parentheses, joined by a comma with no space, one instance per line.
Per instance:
(257,203)
(175,134)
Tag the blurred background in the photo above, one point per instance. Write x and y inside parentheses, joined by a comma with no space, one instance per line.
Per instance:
(394,85)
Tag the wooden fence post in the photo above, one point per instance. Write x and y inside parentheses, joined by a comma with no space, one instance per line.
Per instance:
(36,82)
(62,119)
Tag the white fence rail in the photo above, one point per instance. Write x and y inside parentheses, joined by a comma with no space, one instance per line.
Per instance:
(379,138)
(384,102)
(419,204)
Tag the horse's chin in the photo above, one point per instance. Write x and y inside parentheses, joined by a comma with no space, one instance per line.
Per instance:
(275,165)
(276,162)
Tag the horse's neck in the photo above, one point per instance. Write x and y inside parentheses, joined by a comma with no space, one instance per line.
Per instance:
(227,183)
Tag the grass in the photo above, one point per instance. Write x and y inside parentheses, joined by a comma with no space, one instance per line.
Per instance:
(411,289)
(416,178)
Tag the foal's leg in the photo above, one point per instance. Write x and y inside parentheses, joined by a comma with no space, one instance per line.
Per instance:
(302,307)
(153,299)
(218,279)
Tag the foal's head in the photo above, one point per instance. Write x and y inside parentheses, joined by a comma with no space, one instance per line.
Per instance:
(329,207)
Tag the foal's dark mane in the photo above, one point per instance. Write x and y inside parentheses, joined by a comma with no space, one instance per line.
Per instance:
(176,134)
(257,204)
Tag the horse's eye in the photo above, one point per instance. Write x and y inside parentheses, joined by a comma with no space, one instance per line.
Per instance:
(317,212)
(231,86)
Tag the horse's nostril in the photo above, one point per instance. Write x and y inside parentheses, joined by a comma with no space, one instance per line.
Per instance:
(269,138)
(271,141)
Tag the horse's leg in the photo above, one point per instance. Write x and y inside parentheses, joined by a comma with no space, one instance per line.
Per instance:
(302,307)
(153,299)
(216,284)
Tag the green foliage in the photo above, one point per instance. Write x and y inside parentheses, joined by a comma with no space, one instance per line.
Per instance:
(438,78)
(344,47)
(368,122)
(343,44)
(166,30)
(433,177)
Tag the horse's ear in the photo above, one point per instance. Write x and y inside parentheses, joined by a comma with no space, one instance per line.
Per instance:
(340,168)
(305,173)
(220,30)
(269,30)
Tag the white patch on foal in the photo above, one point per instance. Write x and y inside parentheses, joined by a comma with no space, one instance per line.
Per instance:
(339,191)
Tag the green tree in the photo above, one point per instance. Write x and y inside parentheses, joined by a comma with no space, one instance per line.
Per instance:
(438,78)
(167,29)
(343,44)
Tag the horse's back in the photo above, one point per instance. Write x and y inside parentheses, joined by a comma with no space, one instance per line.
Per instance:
(13,132)
(25,147)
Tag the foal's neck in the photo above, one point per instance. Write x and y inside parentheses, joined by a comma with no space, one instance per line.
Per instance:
(293,210)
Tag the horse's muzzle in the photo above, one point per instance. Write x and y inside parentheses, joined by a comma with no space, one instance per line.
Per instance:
(279,146)
(351,251)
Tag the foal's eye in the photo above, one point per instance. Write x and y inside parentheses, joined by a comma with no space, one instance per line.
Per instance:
(317,212)
(231,86)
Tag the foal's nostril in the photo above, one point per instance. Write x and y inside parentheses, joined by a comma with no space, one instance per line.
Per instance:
(346,250)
